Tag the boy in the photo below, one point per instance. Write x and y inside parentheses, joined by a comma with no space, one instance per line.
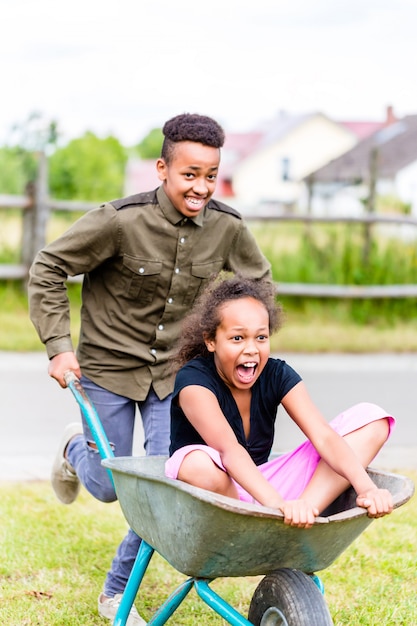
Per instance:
(145,259)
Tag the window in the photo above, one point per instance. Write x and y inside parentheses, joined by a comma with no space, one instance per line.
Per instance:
(285,168)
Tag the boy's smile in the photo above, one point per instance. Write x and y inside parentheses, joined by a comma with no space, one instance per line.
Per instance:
(241,346)
(190,176)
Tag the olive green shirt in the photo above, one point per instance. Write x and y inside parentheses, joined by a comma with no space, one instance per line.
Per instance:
(144,265)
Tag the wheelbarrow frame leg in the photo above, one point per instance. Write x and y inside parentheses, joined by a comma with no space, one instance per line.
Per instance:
(168,608)
(132,587)
(170,605)
(216,602)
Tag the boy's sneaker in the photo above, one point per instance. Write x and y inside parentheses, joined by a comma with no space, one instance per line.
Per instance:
(64,480)
(109,607)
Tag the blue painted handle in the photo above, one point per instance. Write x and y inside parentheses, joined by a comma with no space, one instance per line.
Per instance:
(91,416)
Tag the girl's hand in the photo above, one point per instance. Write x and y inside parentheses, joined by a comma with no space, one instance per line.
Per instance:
(299,513)
(377,501)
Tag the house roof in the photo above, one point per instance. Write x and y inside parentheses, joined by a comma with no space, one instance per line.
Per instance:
(236,147)
(395,147)
(140,175)
(243,143)
(362,129)
(283,124)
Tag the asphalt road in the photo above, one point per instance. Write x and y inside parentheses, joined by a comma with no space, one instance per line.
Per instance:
(34,409)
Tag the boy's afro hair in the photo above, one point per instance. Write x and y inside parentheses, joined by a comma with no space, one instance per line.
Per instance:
(194,127)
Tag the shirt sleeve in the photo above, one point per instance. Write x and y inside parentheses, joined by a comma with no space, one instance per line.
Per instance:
(192,373)
(286,377)
(276,380)
(245,256)
(84,246)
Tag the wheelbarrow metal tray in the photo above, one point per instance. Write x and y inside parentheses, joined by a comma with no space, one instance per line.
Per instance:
(206,535)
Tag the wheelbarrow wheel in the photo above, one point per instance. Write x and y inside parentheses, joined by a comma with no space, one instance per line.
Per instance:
(288,597)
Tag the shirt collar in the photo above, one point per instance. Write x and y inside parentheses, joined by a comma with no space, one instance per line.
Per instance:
(171,213)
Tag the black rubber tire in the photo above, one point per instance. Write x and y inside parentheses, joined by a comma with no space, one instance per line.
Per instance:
(288,597)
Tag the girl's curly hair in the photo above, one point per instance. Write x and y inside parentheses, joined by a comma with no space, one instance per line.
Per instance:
(202,323)
(190,127)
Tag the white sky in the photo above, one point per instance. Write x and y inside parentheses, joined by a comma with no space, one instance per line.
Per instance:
(125,66)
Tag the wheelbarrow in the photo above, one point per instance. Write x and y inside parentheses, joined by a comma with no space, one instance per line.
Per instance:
(206,536)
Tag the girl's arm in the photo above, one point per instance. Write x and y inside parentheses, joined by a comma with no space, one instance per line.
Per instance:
(202,409)
(335,451)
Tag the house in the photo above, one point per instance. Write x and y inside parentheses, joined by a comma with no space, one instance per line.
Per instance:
(237,147)
(269,178)
(385,160)
(262,171)
(141,173)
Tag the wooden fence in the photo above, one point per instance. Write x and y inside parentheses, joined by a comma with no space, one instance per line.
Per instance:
(37,207)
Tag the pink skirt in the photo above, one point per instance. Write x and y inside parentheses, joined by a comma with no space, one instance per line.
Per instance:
(290,473)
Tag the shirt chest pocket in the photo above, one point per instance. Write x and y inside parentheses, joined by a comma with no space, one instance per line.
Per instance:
(200,274)
(140,277)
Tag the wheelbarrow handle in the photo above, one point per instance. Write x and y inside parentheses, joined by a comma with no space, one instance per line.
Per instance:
(90,414)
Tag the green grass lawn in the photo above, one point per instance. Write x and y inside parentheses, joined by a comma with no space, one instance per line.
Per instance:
(55,558)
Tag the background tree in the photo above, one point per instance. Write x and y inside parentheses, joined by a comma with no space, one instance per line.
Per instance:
(151,144)
(18,158)
(88,168)
(13,170)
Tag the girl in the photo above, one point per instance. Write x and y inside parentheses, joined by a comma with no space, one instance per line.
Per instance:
(224,406)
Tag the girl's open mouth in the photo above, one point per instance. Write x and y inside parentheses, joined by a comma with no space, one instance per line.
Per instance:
(246,372)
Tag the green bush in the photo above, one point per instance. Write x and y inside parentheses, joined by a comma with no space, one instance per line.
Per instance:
(336,255)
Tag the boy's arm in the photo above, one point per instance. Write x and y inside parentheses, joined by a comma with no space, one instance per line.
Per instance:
(82,247)
(246,257)
(48,301)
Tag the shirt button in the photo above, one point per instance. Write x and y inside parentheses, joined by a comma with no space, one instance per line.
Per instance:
(182,240)
(161,327)
(153,350)
(170,300)
(141,270)
(177,270)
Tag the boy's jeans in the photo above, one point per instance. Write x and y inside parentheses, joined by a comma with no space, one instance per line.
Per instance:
(117,415)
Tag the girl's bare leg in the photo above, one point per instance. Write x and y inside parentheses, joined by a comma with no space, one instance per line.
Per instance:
(198,469)
(325,484)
